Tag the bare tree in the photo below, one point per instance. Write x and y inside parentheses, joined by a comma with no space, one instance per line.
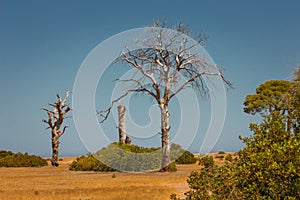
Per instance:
(123,138)
(122,131)
(162,73)
(54,121)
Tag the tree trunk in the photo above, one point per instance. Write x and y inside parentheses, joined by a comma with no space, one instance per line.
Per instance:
(54,121)
(122,131)
(165,165)
(55,143)
(128,140)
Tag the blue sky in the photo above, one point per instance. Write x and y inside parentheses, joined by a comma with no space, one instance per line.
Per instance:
(43,43)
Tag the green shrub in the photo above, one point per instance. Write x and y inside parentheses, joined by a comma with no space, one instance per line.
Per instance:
(89,163)
(186,158)
(5,153)
(207,161)
(221,152)
(9,159)
(228,158)
(267,168)
(124,157)
(173,167)
(212,182)
(269,165)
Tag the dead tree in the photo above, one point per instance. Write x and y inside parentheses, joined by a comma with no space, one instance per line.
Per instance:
(122,129)
(123,138)
(162,74)
(55,119)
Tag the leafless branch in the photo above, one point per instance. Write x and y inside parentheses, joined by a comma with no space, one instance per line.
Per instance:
(60,133)
(159,63)
(65,99)
(140,85)
(105,113)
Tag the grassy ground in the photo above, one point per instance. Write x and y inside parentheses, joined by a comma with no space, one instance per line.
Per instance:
(60,183)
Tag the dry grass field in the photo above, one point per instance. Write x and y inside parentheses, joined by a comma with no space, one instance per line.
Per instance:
(60,183)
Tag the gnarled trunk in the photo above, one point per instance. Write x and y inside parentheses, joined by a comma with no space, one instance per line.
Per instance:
(165,128)
(54,121)
(55,144)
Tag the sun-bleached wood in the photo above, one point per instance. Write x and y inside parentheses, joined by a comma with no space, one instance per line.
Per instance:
(162,74)
(55,119)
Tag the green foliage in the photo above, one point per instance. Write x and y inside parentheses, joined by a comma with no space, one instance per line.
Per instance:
(89,163)
(5,153)
(221,152)
(295,102)
(186,158)
(212,182)
(181,156)
(267,168)
(277,96)
(269,165)
(207,161)
(10,159)
(270,96)
(124,157)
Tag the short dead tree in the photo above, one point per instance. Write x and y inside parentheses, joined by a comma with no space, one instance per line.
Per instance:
(55,119)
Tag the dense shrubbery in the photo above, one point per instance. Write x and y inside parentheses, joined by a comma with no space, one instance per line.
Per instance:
(213,182)
(10,159)
(267,168)
(269,165)
(89,163)
(125,157)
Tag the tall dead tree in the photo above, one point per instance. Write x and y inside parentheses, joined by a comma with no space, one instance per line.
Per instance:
(55,119)
(162,74)
(123,138)
(122,129)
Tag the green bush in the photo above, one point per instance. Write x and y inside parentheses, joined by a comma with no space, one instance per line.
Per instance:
(269,165)
(173,167)
(186,158)
(181,156)
(212,182)
(267,168)
(89,163)
(9,159)
(124,157)
(5,153)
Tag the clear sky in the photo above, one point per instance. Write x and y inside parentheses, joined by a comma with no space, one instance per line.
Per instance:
(43,43)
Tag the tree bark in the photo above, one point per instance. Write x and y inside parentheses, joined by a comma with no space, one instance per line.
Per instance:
(165,128)
(54,121)
(122,128)
(55,144)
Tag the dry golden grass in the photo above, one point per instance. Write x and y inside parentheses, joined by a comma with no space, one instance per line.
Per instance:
(60,183)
